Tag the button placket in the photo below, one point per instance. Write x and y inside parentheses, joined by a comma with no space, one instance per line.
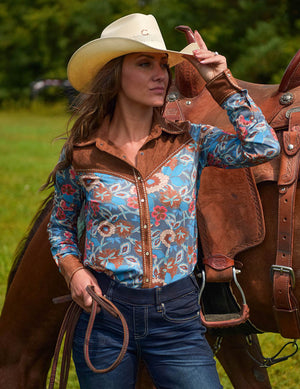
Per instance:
(145,230)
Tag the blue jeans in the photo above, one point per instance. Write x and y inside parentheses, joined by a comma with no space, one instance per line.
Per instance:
(165,331)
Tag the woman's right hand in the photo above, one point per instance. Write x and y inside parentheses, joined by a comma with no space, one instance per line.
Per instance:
(80,280)
(208,63)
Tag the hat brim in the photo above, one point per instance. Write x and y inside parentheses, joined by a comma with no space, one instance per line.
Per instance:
(91,57)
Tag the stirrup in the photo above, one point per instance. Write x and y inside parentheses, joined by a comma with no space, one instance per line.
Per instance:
(226,319)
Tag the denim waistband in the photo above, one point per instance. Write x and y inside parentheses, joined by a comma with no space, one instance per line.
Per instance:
(152,296)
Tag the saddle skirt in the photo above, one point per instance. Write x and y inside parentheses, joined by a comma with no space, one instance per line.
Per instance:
(229,212)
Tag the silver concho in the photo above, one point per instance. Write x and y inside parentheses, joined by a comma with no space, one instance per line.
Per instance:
(287,98)
(172,96)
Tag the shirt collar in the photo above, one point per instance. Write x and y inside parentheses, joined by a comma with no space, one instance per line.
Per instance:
(159,125)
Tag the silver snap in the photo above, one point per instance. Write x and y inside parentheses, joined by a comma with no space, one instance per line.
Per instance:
(290,147)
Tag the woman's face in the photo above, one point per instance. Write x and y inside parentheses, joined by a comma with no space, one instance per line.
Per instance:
(144,79)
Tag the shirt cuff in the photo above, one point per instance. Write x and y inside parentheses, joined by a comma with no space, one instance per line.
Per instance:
(223,86)
(67,265)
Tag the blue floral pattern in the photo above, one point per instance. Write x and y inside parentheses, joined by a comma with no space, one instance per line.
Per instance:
(111,204)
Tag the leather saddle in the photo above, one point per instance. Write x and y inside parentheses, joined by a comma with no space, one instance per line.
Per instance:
(229,210)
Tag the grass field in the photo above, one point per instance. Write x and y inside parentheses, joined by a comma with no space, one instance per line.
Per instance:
(27,155)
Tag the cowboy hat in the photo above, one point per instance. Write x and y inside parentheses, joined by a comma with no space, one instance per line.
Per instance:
(129,34)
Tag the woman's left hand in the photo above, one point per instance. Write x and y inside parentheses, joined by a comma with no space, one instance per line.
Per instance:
(208,63)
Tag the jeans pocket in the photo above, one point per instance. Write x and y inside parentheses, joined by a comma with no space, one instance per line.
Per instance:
(182,309)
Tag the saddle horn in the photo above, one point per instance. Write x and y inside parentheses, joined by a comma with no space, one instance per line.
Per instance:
(189,35)
(291,77)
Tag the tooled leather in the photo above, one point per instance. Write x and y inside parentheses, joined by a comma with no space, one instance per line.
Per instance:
(285,304)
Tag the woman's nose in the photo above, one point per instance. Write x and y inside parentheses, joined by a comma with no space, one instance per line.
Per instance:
(160,72)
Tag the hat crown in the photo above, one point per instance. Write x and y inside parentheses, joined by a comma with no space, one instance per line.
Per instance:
(137,27)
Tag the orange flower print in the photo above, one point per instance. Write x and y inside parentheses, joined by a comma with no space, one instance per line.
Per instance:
(181,235)
(123,228)
(167,237)
(192,207)
(172,163)
(103,194)
(192,257)
(159,213)
(158,278)
(156,182)
(170,267)
(171,198)
(138,248)
(106,229)
(132,202)
(110,255)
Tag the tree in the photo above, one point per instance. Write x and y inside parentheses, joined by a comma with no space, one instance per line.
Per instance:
(37,37)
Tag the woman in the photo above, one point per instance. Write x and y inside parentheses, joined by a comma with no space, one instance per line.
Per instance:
(137,175)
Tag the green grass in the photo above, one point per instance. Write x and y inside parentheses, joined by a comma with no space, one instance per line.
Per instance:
(27,155)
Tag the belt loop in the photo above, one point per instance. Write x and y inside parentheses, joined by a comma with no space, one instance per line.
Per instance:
(110,289)
(194,281)
(157,299)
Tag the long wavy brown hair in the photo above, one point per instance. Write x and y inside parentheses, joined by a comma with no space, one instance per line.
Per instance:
(90,108)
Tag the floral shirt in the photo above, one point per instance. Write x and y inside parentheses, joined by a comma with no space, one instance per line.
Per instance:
(140,220)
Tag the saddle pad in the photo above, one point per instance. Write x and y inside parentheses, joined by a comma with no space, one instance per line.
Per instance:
(229,212)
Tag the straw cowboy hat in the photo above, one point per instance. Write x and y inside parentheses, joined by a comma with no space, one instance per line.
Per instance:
(129,34)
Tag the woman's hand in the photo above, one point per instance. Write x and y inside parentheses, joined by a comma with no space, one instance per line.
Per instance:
(81,279)
(208,63)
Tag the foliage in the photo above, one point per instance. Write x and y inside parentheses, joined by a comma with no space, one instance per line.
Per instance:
(37,37)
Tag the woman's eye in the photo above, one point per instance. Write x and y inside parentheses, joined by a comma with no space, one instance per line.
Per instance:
(144,64)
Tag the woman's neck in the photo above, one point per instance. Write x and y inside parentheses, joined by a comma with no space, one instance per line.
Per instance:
(129,130)
(130,125)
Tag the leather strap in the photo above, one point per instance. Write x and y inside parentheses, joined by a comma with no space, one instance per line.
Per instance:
(173,111)
(218,268)
(67,329)
(285,306)
(113,310)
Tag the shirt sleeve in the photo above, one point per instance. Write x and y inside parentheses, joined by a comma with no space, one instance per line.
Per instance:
(62,227)
(254,141)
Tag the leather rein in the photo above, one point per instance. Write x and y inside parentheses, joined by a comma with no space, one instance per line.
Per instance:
(67,330)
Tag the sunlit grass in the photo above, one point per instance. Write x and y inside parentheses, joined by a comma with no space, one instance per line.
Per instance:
(27,155)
